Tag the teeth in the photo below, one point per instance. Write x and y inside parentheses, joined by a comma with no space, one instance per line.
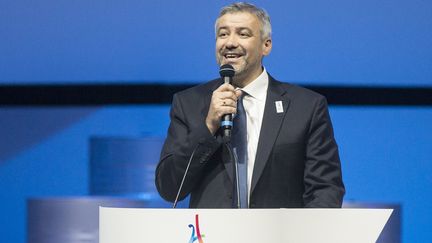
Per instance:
(231,55)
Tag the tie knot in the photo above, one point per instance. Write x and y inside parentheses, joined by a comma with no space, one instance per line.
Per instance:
(243,94)
(240,101)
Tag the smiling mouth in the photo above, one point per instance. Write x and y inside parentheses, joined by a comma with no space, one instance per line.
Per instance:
(232,56)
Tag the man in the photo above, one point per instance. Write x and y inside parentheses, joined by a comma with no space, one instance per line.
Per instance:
(292,157)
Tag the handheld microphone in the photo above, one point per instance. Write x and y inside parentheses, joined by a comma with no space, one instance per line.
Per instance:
(227,72)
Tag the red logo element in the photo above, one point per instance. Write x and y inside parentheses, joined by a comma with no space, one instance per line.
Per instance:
(197,236)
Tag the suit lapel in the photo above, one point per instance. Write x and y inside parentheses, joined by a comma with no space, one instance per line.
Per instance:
(271,124)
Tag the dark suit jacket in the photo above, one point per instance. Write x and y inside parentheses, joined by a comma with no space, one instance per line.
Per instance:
(297,162)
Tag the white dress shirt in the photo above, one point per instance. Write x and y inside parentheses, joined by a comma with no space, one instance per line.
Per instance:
(254,103)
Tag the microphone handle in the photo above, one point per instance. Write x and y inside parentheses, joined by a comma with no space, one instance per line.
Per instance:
(227,119)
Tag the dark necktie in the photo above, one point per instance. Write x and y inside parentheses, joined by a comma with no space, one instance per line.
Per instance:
(239,145)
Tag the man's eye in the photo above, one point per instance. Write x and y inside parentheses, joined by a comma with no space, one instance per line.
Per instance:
(222,35)
(244,35)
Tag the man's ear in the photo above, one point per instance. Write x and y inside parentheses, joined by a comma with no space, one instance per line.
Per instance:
(267,47)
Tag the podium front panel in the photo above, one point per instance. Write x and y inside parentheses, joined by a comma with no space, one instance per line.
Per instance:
(119,225)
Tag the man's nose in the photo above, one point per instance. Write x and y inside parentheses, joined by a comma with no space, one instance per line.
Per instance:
(232,42)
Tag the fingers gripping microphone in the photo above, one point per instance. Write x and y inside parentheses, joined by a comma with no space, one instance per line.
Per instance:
(227,73)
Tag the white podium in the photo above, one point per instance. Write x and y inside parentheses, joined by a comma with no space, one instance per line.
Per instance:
(127,225)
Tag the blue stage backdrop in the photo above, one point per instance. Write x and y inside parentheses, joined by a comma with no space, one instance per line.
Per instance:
(337,42)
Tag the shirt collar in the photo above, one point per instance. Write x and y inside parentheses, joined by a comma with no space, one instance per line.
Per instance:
(258,87)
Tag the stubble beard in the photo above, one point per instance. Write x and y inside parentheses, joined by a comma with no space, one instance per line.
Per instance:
(241,68)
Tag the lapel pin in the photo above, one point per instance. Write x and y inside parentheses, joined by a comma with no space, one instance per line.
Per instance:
(279,106)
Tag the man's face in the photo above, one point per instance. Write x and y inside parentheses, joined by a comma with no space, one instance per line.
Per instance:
(239,43)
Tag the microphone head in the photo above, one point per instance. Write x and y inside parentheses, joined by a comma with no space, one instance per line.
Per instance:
(226,70)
